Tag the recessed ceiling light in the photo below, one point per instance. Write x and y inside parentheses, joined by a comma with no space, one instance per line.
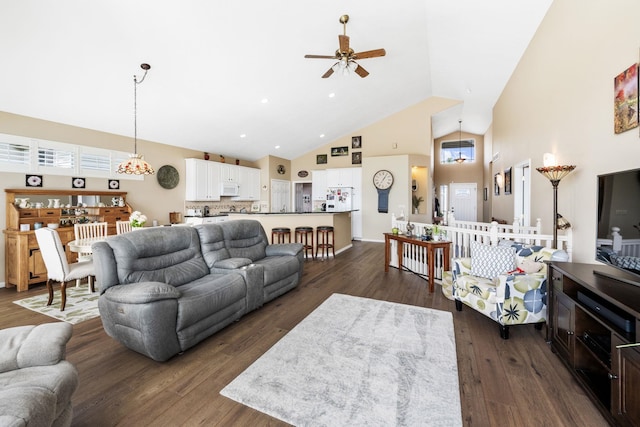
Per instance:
(322,135)
(277,147)
(243,135)
(332,95)
(264,100)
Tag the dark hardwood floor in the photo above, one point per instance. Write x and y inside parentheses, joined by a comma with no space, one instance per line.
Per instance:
(517,382)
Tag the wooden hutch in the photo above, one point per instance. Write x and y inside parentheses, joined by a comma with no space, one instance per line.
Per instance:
(23,262)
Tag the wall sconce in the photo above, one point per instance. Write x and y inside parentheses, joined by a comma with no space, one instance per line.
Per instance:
(500,180)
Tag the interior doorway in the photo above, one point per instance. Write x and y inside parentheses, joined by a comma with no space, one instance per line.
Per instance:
(464,201)
(280,196)
(302,197)
(522,192)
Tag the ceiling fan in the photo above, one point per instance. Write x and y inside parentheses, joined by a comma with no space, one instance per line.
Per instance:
(346,56)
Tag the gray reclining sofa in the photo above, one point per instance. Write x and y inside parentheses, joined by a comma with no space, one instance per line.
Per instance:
(165,289)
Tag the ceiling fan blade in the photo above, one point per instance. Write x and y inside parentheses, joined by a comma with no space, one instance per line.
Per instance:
(321,56)
(361,71)
(344,43)
(328,73)
(370,54)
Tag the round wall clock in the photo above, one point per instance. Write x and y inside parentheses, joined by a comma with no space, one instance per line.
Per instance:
(383,179)
(168,177)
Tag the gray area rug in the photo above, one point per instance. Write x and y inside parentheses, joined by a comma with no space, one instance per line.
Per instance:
(357,361)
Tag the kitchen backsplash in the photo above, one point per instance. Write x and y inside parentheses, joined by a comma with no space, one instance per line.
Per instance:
(217,207)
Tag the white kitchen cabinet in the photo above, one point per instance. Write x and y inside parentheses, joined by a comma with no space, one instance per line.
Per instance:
(249,181)
(341,177)
(229,173)
(202,180)
(319,185)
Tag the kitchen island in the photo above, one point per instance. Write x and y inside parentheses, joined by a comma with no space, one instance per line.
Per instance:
(341,222)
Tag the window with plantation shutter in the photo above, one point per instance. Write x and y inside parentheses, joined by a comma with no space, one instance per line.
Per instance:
(56,158)
(29,155)
(15,156)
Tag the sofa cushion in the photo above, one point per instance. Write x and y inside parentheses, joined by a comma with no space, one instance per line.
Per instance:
(164,254)
(212,243)
(481,287)
(490,261)
(24,391)
(25,346)
(278,267)
(245,239)
(208,301)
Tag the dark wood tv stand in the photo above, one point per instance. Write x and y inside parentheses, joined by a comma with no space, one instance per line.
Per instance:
(594,324)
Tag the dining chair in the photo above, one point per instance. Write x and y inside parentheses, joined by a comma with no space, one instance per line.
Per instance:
(90,230)
(123,227)
(58,269)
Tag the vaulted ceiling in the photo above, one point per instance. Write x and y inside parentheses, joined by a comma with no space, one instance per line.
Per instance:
(230,77)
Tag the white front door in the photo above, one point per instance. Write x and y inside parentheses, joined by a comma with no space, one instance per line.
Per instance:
(280,196)
(464,201)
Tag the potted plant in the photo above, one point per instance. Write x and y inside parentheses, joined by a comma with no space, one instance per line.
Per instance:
(415,202)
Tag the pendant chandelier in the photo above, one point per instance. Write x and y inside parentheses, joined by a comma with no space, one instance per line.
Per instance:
(135,164)
(460,159)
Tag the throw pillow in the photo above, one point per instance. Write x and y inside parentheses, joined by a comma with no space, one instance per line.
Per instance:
(491,261)
(530,266)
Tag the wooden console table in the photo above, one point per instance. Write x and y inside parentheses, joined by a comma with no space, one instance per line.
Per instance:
(430,245)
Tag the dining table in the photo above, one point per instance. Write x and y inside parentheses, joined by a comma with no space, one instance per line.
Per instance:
(84,245)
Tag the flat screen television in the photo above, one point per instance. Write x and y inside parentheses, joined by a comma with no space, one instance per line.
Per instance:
(619,206)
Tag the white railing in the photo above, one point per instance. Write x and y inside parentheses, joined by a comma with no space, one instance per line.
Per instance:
(621,246)
(462,233)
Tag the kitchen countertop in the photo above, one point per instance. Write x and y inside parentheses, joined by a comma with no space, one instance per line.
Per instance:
(287,213)
(264,213)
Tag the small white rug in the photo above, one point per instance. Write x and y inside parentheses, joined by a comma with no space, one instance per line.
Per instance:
(81,305)
(358,362)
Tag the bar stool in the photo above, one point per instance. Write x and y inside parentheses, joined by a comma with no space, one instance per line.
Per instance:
(322,237)
(303,234)
(279,233)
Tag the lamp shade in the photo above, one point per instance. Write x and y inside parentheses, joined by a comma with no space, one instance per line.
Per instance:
(135,165)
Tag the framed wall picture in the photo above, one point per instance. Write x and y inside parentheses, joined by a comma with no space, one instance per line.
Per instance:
(321,159)
(625,100)
(77,182)
(114,184)
(356,142)
(356,158)
(507,181)
(496,184)
(33,181)
(339,151)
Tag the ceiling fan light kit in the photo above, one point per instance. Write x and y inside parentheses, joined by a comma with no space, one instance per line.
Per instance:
(346,56)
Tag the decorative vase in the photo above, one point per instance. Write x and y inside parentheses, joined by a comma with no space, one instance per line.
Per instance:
(56,203)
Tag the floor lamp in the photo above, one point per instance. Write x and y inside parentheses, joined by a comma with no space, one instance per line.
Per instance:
(555,174)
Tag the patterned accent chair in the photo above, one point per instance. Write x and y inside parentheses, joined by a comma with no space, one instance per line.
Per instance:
(510,298)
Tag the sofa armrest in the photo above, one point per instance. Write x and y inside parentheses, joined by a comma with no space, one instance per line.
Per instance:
(280,249)
(232,263)
(461,266)
(26,346)
(141,292)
